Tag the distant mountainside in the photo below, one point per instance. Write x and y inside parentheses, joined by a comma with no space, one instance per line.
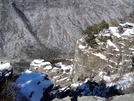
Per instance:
(50,28)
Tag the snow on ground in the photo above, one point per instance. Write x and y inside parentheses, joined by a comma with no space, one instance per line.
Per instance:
(126,81)
(127,23)
(123,83)
(112,44)
(4,66)
(66,79)
(81,46)
(48,67)
(66,68)
(128,32)
(114,31)
(100,55)
(57,70)
(132,49)
(32,82)
(39,63)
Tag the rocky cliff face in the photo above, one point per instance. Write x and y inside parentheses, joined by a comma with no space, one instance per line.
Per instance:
(114,56)
(50,28)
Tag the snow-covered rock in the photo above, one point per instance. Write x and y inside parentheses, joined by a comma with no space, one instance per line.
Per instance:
(34,86)
(4,66)
(5,69)
(60,72)
(109,60)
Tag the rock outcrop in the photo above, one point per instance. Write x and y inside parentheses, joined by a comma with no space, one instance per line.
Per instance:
(49,29)
(59,71)
(114,56)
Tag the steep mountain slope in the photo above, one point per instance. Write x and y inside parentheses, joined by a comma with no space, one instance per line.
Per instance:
(50,28)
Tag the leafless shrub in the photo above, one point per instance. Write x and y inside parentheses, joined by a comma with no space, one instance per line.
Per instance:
(9,91)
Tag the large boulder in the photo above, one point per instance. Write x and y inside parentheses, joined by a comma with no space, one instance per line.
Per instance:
(33,86)
(6,70)
(127,97)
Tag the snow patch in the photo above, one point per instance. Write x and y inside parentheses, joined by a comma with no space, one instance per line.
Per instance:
(100,55)
(39,63)
(126,81)
(27,82)
(112,44)
(128,32)
(4,66)
(64,79)
(66,68)
(81,47)
(48,67)
(114,31)
(127,23)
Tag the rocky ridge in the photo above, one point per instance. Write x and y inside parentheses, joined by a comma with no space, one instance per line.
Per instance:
(109,66)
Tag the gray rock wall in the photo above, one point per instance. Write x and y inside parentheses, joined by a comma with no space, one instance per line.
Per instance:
(50,28)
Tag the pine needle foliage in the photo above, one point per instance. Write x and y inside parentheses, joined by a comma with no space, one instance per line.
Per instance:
(90,31)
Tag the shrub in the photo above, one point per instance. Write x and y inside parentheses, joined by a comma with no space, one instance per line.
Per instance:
(9,91)
(91,40)
(103,25)
(83,43)
(103,39)
(90,31)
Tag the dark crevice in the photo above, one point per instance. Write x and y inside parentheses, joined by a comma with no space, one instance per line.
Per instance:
(26,23)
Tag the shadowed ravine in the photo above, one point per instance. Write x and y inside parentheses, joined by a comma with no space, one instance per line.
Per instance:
(26,23)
